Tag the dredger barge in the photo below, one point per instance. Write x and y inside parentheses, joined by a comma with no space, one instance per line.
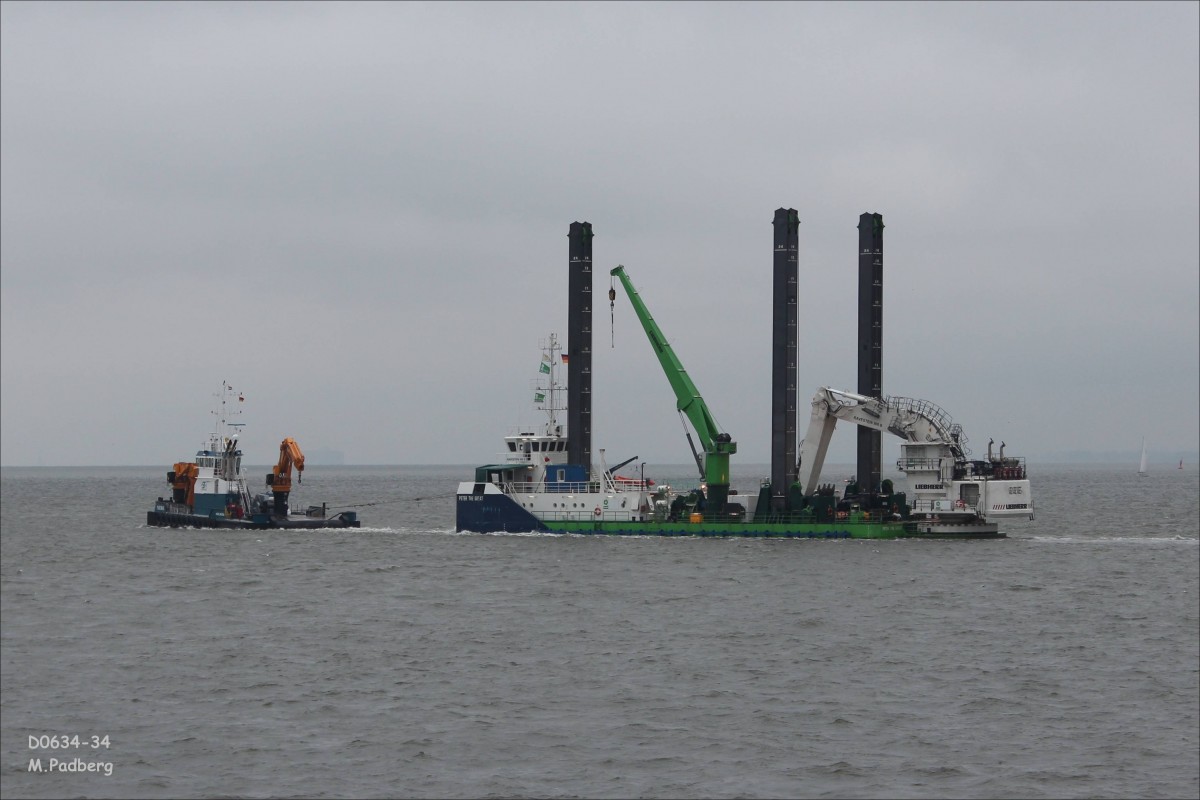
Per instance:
(546,480)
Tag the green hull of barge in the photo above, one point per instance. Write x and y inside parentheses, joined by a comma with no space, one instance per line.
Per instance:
(846,530)
(856,526)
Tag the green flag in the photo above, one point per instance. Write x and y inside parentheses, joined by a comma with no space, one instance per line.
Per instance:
(545,367)
(539,398)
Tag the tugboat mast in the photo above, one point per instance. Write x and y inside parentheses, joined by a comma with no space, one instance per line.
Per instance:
(221,444)
(224,409)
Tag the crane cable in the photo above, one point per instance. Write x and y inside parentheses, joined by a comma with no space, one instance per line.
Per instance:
(612,304)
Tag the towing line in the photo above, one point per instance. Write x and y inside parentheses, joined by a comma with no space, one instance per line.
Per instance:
(398,500)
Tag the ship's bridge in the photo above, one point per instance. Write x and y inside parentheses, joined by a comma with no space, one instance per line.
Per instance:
(220,458)
(533,448)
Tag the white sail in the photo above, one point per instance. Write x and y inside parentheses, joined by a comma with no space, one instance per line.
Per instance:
(1142,468)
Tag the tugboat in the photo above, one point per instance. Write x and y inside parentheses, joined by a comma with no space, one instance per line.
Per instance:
(211,492)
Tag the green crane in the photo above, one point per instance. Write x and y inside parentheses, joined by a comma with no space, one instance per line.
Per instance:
(718,446)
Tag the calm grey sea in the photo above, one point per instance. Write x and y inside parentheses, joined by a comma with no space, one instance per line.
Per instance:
(405,660)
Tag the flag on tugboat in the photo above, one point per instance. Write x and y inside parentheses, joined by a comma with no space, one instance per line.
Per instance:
(545,367)
(564,358)
(538,397)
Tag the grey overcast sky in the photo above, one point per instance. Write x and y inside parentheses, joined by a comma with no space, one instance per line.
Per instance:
(357,215)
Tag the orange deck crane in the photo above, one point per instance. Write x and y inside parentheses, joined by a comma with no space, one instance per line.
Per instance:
(183,482)
(280,478)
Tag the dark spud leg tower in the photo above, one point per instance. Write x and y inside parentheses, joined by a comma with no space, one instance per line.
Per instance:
(579,345)
(870,342)
(783,356)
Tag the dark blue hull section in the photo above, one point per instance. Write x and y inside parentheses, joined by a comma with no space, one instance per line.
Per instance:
(167,519)
(494,513)
(497,513)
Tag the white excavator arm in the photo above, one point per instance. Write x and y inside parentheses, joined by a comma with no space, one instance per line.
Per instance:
(947,493)
(911,420)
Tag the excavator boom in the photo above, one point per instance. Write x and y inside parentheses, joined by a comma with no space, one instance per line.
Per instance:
(687,397)
(280,479)
(911,420)
(933,455)
(717,446)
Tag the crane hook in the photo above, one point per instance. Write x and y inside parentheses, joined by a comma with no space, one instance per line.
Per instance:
(612,304)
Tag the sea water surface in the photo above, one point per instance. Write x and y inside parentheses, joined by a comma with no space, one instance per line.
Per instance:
(406,660)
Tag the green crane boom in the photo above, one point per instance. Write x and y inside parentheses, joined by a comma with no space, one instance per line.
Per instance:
(718,446)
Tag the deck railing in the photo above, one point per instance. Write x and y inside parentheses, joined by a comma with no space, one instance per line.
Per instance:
(572,487)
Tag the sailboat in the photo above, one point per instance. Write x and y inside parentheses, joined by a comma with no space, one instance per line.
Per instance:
(1142,468)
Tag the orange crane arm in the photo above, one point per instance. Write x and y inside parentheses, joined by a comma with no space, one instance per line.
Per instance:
(289,456)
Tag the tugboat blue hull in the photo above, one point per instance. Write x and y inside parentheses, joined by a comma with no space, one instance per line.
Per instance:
(168,519)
